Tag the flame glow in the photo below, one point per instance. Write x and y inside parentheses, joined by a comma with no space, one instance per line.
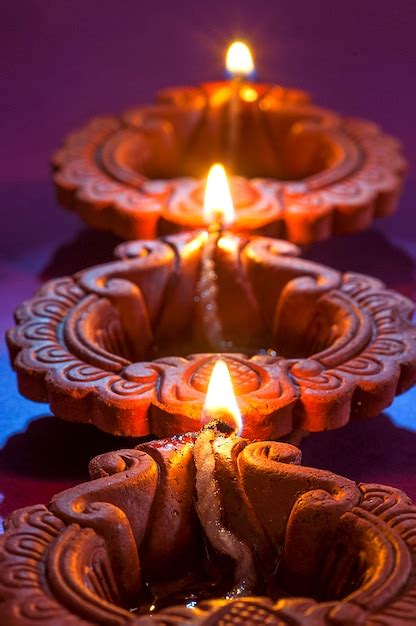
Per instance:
(248,94)
(220,400)
(218,203)
(228,243)
(196,243)
(239,61)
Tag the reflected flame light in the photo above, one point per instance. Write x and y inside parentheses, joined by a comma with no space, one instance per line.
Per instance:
(228,243)
(248,94)
(239,61)
(220,401)
(195,244)
(218,203)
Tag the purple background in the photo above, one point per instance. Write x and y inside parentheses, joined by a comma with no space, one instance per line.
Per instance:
(64,61)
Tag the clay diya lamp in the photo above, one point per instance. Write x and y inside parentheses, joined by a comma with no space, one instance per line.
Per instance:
(308,347)
(299,172)
(210,529)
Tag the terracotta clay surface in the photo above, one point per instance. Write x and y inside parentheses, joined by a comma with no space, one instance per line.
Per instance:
(299,172)
(308,347)
(136,540)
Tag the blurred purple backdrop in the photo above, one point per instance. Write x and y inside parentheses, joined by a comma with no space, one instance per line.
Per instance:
(65,61)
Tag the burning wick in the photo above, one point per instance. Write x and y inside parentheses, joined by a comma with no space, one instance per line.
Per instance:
(218,212)
(218,203)
(220,402)
(239,63)
(215,453)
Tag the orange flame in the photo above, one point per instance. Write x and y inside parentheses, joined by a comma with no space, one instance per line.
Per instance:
(218,203)
(220,400)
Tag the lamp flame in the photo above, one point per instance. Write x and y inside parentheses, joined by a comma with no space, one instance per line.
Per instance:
(239,61)
(220,401)
(218,203)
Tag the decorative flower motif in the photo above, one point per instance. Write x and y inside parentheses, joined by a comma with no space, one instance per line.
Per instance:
(119,173)
(84,558)
(86,344)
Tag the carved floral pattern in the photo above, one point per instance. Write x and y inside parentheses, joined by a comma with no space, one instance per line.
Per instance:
(71,348)
(99,172)
(58,565)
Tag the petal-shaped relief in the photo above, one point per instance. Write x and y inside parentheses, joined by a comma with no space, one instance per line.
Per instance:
(346,552)
(245,378)
(301,165)
(112,344)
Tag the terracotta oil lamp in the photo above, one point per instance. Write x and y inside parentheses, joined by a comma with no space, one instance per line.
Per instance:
(129,345)
(209,529)
(298,171)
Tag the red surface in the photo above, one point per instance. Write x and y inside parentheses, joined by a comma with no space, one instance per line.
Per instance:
(67,61)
